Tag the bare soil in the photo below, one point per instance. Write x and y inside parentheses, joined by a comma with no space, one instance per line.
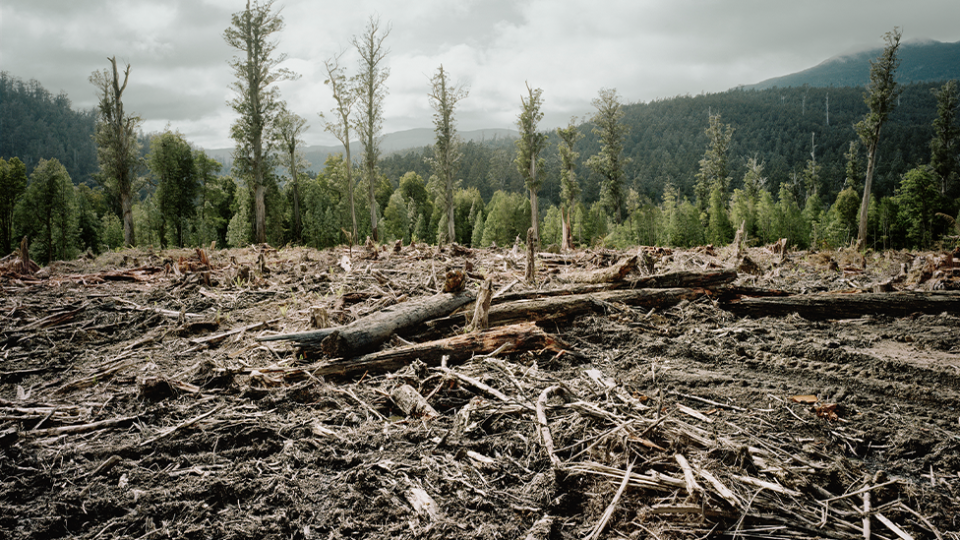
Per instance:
(117,419)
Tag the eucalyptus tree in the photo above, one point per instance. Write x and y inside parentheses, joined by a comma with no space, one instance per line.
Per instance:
(881,98)
(288,136)
(714,166)
(371,90)
(444,97)
(118,151)
(257,101)
(345,94)
(945,145)
(529,145)
(13,182)
(609,164)
(171,162)
(47,212)
(569,186)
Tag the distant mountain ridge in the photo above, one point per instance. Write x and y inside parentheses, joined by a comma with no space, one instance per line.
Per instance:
(921,61)
(392,142)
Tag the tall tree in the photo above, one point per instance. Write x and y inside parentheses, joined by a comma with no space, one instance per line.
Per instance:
(529,145)
(117,146)
(854,169)
(945,145)
(13,182)
(345,94)
(288,132)
(608,164)
(881,98)
(444,97)
(569,186)
(47,212)
(171,162)
(714,166)
(257,101)
(371,90)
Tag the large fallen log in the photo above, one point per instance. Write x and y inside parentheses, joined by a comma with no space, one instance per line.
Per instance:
(849,305)
(705,280)
(561,307)
(514,338)
(368,333)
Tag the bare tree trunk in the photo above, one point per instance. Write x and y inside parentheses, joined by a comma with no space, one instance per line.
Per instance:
(260,213)
(373,205)
(126,207)
(867,185)
(566,242)
(353,207)
(451,215)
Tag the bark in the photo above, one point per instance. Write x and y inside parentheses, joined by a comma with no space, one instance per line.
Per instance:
(260,213)
(531,271)
(412,403)
(562,307)
(520,337)
(849,305)
(566,244)
(867,186)
(370,332)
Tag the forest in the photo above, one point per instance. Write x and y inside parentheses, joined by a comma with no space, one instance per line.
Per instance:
(793,167)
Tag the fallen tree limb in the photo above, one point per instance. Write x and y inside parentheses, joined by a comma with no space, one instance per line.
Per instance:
(849,305)
(368,333)
(520,337)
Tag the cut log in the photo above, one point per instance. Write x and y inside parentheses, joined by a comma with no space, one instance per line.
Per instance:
(610,274)
(481,313)
(520,337)
(412,403)
(561,307)
(368,333)
(849,305)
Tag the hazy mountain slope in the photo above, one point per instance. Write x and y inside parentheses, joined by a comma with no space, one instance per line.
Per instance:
(921,61)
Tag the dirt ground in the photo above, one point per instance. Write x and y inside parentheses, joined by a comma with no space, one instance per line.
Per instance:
(127,413)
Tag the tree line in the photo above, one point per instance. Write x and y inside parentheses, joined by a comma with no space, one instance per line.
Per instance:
(629,174)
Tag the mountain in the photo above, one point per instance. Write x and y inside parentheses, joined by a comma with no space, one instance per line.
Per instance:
(392,142)
(921,61)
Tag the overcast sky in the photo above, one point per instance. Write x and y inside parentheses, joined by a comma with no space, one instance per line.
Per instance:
(646,49)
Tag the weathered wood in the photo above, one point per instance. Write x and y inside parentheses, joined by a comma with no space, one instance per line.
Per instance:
(412,403)
(849,305)
(520,337)
(610,274)
(368,333)
(561,307)
(481,312)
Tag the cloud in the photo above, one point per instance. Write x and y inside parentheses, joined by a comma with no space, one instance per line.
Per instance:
(571,48)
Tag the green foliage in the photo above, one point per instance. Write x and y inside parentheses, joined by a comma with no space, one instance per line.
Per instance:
(89,226)
(117,144)
(881,98)
(714,169)
(945,145)
(608,164)
(239,231)
(171,162)
(257,100)
(39,125)
(919,199)
(371,89)
(444,97)
(47,213)
(214,200)
(13,182)
(719,230)
(112,235)
(788,219)
(529,146)
(476,238)
(508,216)
(854,168)
(396,220)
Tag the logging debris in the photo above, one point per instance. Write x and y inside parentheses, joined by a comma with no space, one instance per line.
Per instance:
(145,394)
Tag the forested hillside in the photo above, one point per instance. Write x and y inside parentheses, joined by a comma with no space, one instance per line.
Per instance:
(35,125)
(777,133)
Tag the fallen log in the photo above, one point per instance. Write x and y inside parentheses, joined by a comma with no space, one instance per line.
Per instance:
(560,307)
(705,280)
(518,337)
(609,274)
(849,305)
(368,333)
